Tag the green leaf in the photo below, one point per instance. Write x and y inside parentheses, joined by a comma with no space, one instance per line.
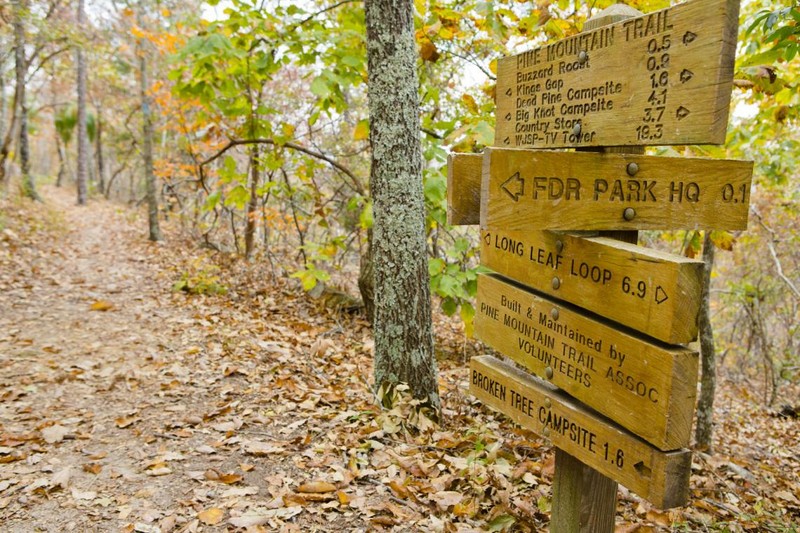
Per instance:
(238,197)
(501,523)
(320,87)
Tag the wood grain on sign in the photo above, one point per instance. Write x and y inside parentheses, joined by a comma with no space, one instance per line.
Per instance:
(524,190)
(650,291)
(662,78)
(647,387)
(660,477)
(464,188)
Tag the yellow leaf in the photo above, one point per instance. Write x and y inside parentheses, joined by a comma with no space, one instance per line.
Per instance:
(211,517)
(230,479)
(316,487)
(102,305)
(361,131)
(469,101)
(493,66)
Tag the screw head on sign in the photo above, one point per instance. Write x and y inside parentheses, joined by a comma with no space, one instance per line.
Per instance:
(632,169)
(549,372)
(629,214)
(547,403)
(583,57)
(576,129)
(559,246)
(546,432)
(556,283)
(554,313)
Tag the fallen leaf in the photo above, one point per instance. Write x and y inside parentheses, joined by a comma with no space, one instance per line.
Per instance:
(125,421)
(102,305)
(55,433)
(61,478)
(93,468)
(261,449)
(211,517)
(230,479)
(446,498)
(316,487)
(83,494)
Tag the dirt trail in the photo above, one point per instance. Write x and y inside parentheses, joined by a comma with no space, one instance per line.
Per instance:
(120,399)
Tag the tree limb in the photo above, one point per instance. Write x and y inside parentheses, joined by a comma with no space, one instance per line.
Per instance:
(317,155)
(775,259)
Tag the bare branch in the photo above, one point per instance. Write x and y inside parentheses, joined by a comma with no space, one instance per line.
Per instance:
(775,259)
(356,183)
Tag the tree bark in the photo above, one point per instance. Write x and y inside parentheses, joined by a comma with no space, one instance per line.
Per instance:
(252,204)
(101,181)
(403,329)
(83,136)
(147,145)
(21,69)
(708,382)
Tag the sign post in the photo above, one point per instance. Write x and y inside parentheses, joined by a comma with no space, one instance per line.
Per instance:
(599,323)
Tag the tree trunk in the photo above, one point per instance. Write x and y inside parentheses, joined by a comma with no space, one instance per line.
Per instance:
(3,117)
(21,69)
(403,329)
(252,205)
(101,181)
(61,163)
(147,146)
(708,381)
(83,136)
(366,280)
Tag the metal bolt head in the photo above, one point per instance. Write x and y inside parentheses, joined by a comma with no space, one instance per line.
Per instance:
(632,169)
(559,246)
(556,283)
(629,214)
(583,57)
(546,432)
(576,129)
(548,372)
(548,403)
(554,313)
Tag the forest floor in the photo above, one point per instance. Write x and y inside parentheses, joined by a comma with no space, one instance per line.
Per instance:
(127,405)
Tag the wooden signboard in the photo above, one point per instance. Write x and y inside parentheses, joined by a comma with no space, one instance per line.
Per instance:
(524,190)
(653,292)
(464,201)
(660,477)
(646,387)
(661,78)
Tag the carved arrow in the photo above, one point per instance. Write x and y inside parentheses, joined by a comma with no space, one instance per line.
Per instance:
(686,75)
(661,295)
(689,37)
(682,113)
(487,238)
(514,186)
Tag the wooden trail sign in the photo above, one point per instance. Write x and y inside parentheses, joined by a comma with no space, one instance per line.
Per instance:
(464,189)
(661,78)
(660,477)
(646,387)
(653,292)
(524,190)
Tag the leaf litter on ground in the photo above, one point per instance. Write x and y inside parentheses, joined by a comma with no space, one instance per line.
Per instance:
(252,409)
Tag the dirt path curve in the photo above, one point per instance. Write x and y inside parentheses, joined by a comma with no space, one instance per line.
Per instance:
(120,408)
